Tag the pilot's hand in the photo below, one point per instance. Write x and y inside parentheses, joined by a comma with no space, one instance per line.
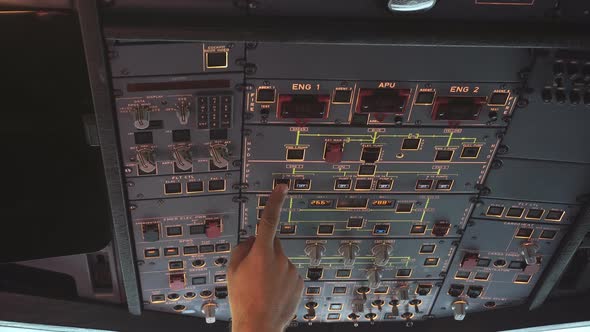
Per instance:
(264,286)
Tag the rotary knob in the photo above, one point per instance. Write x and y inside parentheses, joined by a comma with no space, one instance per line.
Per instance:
(348,251)
(381,253)
(315,251)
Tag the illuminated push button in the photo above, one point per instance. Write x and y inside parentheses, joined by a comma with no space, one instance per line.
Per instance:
(302,184)
(265,95)
(384,184)
(213,227)
(425,98)
(288,229)
(216,59)
(343,184)
(498,99)
(334,151)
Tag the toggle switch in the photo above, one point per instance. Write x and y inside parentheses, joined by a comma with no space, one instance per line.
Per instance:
(208,309)
(528,250)
(183,111)
(459,309)
(146,160)
(374,277)
(141,116)
(182,157)
(219,155)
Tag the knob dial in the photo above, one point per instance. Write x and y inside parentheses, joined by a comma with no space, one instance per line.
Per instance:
(381,252)
(348,251)
(315,251)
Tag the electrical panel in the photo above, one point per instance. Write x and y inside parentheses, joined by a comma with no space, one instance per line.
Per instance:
(423,182)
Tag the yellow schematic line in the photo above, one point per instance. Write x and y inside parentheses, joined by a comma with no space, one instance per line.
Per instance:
(297,138)
(424,211)
(450,138)
(290,208)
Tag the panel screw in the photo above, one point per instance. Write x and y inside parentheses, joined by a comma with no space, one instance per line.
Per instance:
(522,103)
(124,71)
(130,184)
(230,45)
(128,170)
(132,207)
(497,164)
(502,149)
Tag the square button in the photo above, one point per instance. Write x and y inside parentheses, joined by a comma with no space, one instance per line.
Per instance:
(495,211)
(143,137)
(367,170)
(404,207)
(313,290)
(499,99)
(288,229)
(548,234)
(363,184)
(335,306)
(172,188)
(418,229)
(197,229)
(462,275)
(342,96)
(181,135)
(431,261)
(443,155)
(333,316)
(482,276)
(325,229)
(190,250)
(343,184)
(524,233)
(424,98)
(483,262)
(175,265)
(444,184)
(381,229)
(199,280)
(194,187)
(222,247)
(339,290)
(344,273)
(522,279)
(470,152)
(355,222)
(216,59)
(517,265)
(514,212)
(411,144)
(174,230)
(384,184)
(535,214)
(427,248)
(265,95)
(554,215)
(171,251)
(286,182)
(151,253)
(404,273)
(302,184)
(424,184)
(216,185)
(206,248)
(295,154)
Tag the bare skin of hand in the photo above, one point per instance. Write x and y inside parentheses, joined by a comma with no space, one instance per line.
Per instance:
(264,286)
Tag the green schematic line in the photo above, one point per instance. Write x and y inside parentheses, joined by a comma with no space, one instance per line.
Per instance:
(290,208)
(450,138)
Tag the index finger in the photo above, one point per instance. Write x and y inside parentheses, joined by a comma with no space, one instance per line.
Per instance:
(270,218)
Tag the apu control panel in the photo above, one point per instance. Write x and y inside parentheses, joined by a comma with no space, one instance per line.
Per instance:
(424,182)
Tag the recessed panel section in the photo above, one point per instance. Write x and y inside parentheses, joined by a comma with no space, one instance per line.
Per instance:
(364,160)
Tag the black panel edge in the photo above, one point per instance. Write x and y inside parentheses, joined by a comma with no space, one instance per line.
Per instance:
(561,258)
(349,31)
(96,63)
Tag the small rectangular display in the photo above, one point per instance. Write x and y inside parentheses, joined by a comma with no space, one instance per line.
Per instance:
(381,203)
(352,203)
(322,203)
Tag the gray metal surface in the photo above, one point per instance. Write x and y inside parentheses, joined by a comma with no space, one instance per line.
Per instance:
(495,241)
(266,157)
(537,180)
(328,301)
(169,59)
(426,210)
(415,111)
(405,255)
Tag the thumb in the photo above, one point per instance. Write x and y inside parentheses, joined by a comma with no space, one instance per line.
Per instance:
(270,218)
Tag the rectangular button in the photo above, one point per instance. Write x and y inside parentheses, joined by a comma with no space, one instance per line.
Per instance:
(302,184)
(222,247)
(206,248)
(190,250)
(424,184)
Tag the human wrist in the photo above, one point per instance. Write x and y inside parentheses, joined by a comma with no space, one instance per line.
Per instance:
(255,327)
